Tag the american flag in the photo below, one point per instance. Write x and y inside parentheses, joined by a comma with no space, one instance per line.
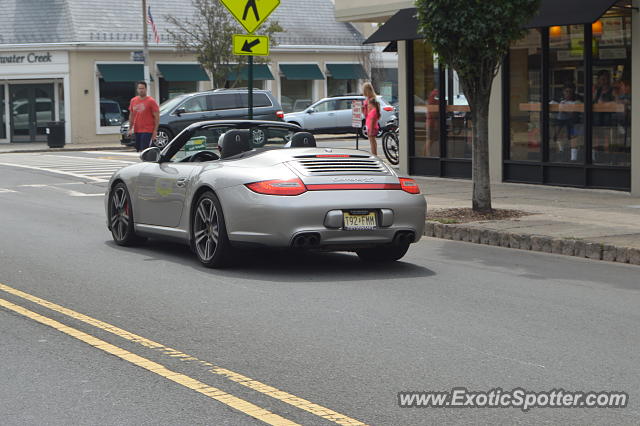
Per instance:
(156,36)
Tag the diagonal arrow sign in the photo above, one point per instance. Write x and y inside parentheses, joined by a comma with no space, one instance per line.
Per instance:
(250,45)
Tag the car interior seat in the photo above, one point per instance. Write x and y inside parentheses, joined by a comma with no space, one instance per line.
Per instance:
(303,140)
(235,142)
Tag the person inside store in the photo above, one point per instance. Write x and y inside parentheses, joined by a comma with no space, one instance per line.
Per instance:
(144,116)
(603,97)
(568,123)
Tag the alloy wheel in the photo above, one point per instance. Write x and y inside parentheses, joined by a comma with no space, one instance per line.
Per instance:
(120,213)
(206,229)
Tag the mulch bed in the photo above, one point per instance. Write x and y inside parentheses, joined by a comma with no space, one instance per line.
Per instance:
(466,215)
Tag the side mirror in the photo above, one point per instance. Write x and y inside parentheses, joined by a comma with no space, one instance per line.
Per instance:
(311,111)
(150,155)
(180,111)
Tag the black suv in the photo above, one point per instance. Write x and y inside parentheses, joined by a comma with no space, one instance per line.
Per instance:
(220,104)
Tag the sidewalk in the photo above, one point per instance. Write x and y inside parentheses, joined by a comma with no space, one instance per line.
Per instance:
(43,147)
(597,224)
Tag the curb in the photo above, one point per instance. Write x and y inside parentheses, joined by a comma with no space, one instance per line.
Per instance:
(540,243)
(86,148)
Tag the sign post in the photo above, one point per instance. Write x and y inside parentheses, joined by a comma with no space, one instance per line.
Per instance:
(251,14)
(356,119)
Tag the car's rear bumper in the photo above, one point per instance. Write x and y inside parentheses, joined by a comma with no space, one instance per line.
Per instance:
(275,221)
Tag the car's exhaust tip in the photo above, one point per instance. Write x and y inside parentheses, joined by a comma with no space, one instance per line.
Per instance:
(404,238)
(305,241)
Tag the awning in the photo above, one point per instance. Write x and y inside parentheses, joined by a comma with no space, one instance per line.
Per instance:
(183,72)
(401,26)
(346,71)
(404,24)
(569,12)
(260,72)
(301,72)
(121,72)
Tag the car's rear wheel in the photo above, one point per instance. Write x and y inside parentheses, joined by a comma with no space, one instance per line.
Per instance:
(209,233)
(121,217)
(364,131)
(387,253)
(163,137)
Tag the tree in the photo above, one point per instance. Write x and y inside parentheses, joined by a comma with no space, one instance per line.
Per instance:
(208,33)
(473,37)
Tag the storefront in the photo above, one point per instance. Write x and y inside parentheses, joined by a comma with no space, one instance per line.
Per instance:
(561,109)
(33,88)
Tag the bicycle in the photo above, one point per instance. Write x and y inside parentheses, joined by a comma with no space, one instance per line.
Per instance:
(391,143)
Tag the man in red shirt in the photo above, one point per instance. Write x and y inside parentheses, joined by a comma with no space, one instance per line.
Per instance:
(144,117)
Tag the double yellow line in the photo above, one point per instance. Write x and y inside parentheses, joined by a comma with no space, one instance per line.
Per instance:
(191,383)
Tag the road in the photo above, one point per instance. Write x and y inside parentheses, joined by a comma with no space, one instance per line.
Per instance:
(92,333)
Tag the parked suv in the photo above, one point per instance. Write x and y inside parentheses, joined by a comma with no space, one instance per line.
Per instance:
(333,115)
(220,104)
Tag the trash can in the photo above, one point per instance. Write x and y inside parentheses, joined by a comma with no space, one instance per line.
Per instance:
(55,134)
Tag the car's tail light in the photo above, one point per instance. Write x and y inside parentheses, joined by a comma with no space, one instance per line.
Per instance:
(388,108)
(278,187)
(280,114)
(409,185)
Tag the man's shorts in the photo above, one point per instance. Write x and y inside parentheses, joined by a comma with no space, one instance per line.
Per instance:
(142,141)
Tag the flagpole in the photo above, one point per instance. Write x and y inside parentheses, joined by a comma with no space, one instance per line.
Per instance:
(145,41)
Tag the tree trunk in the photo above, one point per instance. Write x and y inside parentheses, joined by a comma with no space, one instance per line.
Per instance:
(481,200)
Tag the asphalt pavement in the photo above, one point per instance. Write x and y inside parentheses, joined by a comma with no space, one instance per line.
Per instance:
(310,339)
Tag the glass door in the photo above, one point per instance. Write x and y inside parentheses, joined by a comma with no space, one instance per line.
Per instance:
(32,106)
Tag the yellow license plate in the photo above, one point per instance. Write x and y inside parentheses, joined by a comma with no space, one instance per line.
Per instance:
(360,221)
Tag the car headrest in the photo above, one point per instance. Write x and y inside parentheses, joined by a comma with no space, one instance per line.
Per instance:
(303,140)
(235,142)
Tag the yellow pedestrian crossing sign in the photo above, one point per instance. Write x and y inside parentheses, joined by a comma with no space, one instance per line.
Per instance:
(244,44)
(251,13)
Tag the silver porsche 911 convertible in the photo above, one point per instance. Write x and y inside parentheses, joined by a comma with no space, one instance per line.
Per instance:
(213,190)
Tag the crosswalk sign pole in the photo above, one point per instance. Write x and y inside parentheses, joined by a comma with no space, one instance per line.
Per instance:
(250,78)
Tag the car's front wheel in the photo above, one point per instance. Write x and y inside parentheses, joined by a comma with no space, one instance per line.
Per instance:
(121,217)
(209,233)
(387,253)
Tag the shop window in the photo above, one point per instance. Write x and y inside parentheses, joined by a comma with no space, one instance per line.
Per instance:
(459,123)
(296,95)
(257,84)
(566,94)
(3,113)
(611,134)
(171,89)
(337,87)
(426,101)
(525,79)
(61,101)
(114,102)
(386,81)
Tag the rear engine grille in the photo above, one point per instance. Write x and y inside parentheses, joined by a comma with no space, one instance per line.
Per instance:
(340,166)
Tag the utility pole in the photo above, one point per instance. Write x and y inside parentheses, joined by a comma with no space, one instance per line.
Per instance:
(145,41)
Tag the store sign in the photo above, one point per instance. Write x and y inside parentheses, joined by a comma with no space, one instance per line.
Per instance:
(137,56)
(29,58)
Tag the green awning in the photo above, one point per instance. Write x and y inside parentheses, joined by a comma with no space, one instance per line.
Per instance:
(183,72)
(121,72)
(346,71)
(301,72)
(260,72)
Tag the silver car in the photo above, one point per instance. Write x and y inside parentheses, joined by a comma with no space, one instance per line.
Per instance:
(209,189)
(333,115)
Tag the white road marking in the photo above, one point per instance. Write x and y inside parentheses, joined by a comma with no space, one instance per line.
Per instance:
(93,169)
(128,154)
(7,191)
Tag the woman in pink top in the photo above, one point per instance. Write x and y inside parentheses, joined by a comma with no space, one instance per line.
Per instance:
(371,110)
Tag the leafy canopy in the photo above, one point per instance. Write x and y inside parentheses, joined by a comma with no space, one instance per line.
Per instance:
(473,36)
